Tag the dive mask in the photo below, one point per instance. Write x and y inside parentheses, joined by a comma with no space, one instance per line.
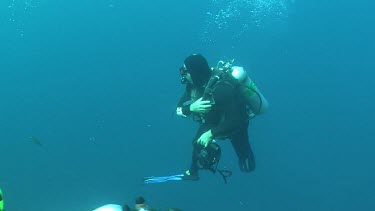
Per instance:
(183,73)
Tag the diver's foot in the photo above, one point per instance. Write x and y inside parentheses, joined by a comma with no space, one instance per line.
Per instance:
(190,176)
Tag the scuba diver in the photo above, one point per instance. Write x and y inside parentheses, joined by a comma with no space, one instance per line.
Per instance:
(112,207)
(222,100)
(1,201)
(140,205)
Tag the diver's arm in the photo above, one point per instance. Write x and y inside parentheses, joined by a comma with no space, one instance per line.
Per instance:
(184,98)
(185,106)
(183,109)
(200,106)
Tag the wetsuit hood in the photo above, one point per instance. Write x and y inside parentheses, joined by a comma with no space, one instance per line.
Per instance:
(198,68)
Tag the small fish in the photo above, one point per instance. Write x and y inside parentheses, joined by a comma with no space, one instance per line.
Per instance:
(92,138)
(36,141)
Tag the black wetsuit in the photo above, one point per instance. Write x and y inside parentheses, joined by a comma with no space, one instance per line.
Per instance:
(227,119)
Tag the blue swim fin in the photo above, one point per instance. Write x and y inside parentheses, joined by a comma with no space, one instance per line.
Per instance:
(160,179)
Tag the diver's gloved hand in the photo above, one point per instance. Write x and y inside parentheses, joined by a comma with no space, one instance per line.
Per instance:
(201,106)
(179,112)
(246,164)
(205,139)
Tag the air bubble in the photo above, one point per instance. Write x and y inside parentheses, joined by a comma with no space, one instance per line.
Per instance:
(20,13)
(238,16)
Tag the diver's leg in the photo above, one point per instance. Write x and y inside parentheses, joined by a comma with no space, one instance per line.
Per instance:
(240,143)
(193,170)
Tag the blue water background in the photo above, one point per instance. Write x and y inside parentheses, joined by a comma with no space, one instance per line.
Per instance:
(96,82)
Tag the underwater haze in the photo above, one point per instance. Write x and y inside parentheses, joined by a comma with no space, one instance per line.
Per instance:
(89,89)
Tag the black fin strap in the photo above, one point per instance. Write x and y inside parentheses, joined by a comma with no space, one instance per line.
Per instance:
(225,174)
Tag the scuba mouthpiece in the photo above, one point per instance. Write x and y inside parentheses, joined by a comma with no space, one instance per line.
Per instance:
(183,73)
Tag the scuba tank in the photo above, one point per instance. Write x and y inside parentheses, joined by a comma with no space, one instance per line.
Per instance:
(253,98)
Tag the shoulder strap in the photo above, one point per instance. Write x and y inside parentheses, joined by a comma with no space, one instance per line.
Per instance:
(218,77)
